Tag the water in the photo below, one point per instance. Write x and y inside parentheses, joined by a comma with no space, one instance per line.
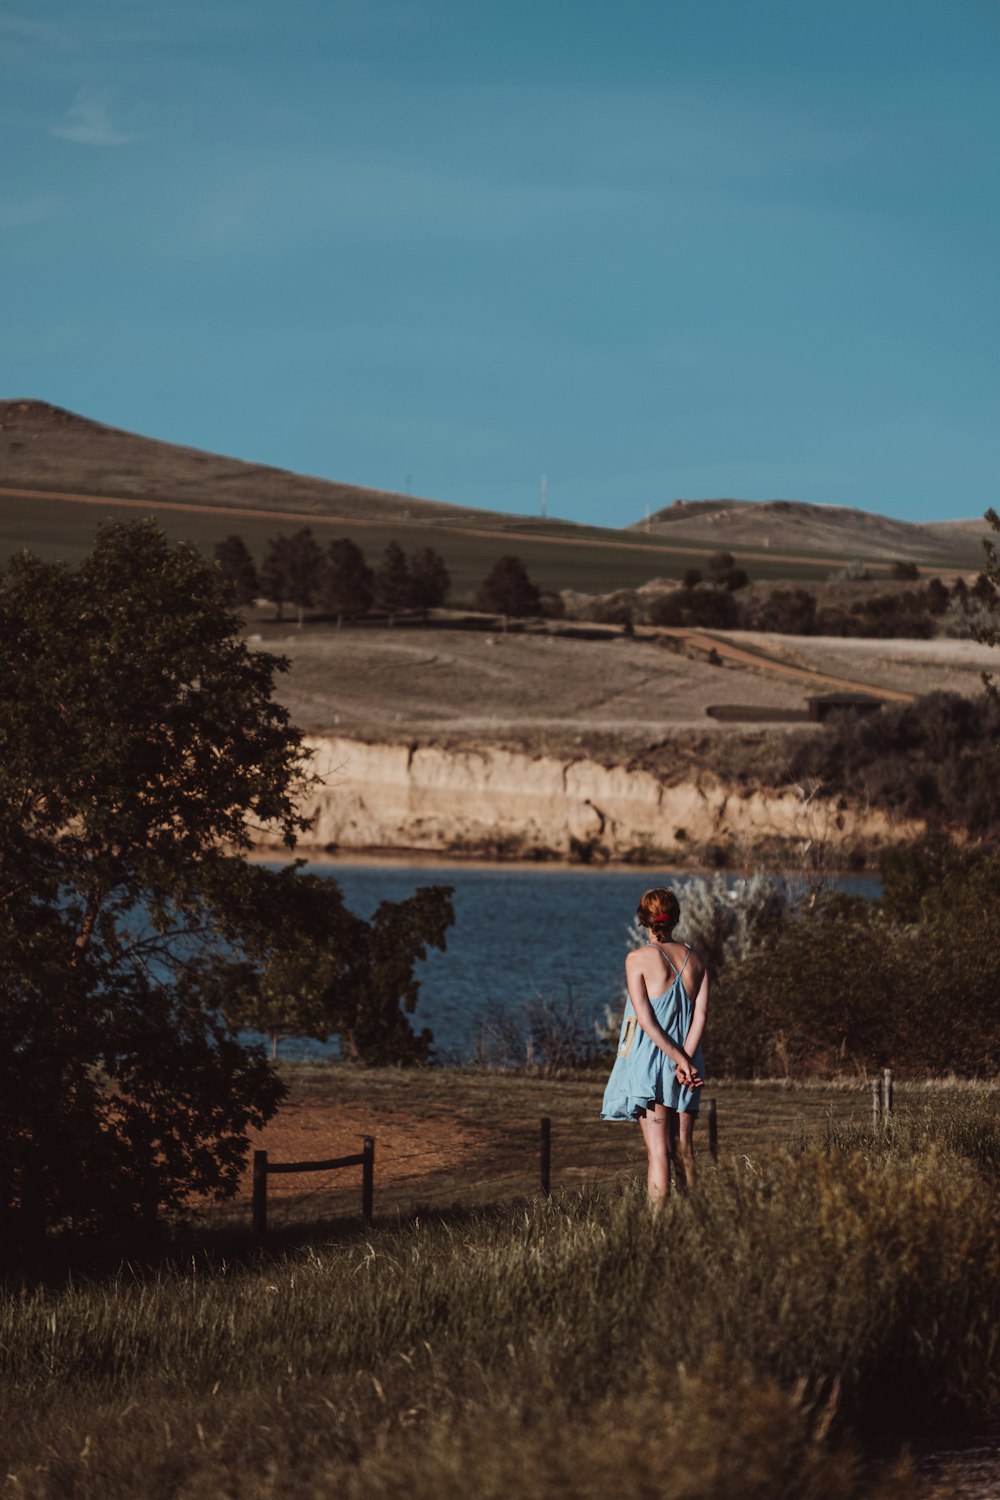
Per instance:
(519,935)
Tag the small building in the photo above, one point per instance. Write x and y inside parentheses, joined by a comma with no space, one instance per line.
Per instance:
(833,705)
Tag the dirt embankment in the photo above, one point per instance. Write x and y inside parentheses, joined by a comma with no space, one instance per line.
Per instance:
(497,803)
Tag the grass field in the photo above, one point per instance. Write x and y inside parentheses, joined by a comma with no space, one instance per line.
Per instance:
(775,1334)
(557,556)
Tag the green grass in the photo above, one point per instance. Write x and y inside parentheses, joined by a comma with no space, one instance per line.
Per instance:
(557,556)
(727,1346)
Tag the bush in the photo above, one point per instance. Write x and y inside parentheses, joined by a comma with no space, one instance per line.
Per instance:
(710,608)
(849,986)
(937,757)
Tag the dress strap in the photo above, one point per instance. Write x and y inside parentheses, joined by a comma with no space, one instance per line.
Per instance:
(684,965)
(663,952)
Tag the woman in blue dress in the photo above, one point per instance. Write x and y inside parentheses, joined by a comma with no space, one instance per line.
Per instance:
(659,1063)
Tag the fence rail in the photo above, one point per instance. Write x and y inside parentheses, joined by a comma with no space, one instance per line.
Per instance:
(262,1169)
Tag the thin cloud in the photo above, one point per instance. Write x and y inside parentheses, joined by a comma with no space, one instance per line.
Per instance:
(88,123)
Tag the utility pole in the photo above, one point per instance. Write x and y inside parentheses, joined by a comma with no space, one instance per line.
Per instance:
(544,494)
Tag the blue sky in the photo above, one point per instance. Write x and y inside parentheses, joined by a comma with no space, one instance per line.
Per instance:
(653,250)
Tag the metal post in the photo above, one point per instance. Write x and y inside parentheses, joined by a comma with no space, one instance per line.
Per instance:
(545,1157)
(887,1092)
(260,1196)
(368,1179)
(713,1129)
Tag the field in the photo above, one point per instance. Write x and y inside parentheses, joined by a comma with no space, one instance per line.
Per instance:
(466,1136)
(823,1297)
(605,694)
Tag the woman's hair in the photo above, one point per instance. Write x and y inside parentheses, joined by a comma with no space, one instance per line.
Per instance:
(658,910)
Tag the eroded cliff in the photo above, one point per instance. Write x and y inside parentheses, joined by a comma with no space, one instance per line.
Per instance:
(498,803)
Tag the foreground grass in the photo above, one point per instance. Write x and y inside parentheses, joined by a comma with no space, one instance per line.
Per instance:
(726,1346)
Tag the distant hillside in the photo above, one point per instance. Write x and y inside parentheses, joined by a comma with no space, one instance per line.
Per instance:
(795,525)
(43,447)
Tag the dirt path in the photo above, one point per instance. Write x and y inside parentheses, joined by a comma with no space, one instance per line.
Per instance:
(744,656)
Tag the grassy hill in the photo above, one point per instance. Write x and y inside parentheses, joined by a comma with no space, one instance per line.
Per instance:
(61,474)
(794,525)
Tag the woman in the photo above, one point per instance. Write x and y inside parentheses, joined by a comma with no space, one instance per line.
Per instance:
(658,1068)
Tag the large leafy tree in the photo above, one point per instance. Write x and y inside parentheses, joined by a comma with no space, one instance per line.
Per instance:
(313,968)
(140,749)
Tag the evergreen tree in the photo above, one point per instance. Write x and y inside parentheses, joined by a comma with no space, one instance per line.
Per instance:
(347,582)
(507,590)
(393,584)
(237,567)
(274,574)
(430,578)
(303,562)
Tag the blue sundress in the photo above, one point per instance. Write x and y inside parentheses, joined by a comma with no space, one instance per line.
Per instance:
(642,1074)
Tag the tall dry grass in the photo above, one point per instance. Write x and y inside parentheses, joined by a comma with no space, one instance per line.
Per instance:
(726,1346)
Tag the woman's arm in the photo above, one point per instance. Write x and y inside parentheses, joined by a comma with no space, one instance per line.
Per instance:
(646,1017)
(693,1039)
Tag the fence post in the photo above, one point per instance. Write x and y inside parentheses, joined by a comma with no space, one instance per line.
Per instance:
(545,1157)
(713,1129)
(260,1196)
(368,1179)
(876,1103)
(887,1092)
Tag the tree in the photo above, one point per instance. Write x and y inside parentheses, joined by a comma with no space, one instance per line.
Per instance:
(719,564)
(430,580)
(303,561)
(507,590)
(393,584)
(237,568)
(291,571)
(274,574)
(988,631)
(139,749)
(315,969)
(347,582)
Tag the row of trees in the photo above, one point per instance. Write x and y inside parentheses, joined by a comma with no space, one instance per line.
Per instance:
(297,571)
(140,750)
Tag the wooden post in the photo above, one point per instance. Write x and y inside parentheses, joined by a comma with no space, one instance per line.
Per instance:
(368,1179)
(887,1092)
(876,1103)
(713,1129)
(260,1196)
(545,1157)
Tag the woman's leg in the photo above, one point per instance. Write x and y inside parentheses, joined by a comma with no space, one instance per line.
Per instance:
(685,1146)
(654,1133)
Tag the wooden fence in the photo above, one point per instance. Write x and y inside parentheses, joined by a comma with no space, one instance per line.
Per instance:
(263,1168)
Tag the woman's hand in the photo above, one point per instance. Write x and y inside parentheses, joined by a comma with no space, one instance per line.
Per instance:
(687,1074)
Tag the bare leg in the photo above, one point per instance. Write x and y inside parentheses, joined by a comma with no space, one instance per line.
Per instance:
(654,1133)
(685,1146)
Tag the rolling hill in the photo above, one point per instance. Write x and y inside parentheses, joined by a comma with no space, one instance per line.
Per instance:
(61,473)
(795,525)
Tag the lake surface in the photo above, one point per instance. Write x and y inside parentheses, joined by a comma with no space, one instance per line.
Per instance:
(520,935)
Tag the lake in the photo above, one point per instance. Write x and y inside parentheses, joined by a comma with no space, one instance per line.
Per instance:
(520,934)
